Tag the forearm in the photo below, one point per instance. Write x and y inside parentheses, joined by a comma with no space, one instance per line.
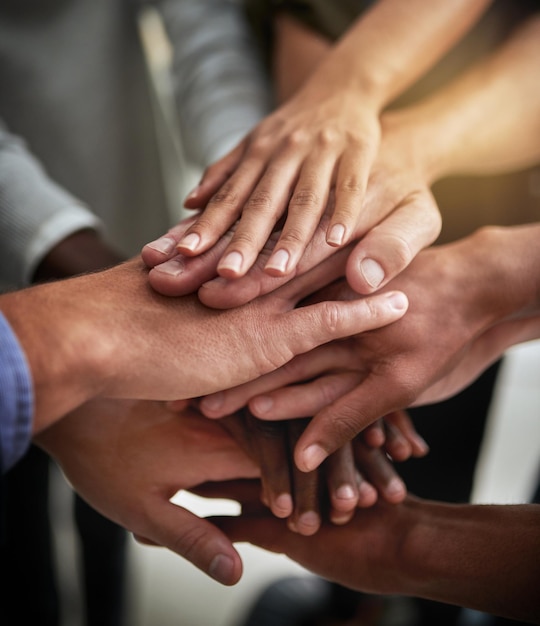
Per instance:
(482,557)
(485,122)
(392,45)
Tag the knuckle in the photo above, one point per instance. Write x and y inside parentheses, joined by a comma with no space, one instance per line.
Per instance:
(351,184)
(328,137)
(227,196)
(296,139)
(305,199)
(191,543)
(292,236)
(259,201)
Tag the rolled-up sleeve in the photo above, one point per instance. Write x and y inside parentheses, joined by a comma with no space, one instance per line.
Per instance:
(16,398)
(35,213)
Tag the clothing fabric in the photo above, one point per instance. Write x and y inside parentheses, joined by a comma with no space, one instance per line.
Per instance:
(16,398)
(78,145)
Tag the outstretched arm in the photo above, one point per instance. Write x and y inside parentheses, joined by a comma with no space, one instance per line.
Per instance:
(477,556)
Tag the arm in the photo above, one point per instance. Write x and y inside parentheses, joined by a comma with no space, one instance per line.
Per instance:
(326,135)
(477,556)
(96,335)
(35,214)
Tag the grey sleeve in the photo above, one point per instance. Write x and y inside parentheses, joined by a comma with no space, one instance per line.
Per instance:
(220,85)
(35,213)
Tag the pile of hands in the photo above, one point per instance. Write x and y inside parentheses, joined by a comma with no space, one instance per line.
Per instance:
(320,433)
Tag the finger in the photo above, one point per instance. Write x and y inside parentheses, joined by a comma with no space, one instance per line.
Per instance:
(304,212)
(224,207)
(214,177)
(269,439)
(388,248)
(396,445)
(380,472)
(342,482)
(164,248)
(181,275)
(301,400)
(374,435)
(401,421)
(316,324)
(195,539)
(306,517)
(221,293)
(342,420)
(260,214)
(351,183)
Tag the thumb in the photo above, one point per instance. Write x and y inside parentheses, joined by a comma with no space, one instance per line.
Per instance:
(308,327)
(195,539)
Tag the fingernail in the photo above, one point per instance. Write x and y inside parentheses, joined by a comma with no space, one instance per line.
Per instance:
(193,192)
(313,456)
(339,519)
(372,272)
(213,402)
(189,242)
(336,235)
(395,487)
(397,300)
(345,492)
(215,282)
(283,505)
(261,404)
(164,245)
(172,267)
(221,568)
(278,261)
(422,443)
(232,261)
(308,523)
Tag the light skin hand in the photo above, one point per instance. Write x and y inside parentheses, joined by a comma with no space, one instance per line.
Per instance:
(127,459)
(399,218)
(353,382)
(443,552)
(325,136)
(111,346)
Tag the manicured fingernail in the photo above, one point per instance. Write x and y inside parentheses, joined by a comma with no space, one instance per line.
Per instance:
(372,272)
(190,242)
(313,456)
(308,523)
(261,404)
(221,568)
(278,261)
(345,492)
(336,235)
(397,300)
(213,402)
(283,505)
(421,443)
(165,245)
(193,192)
(172,267)
(232,261)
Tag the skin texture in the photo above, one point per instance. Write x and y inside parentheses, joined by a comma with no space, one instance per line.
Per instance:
(128,458)
(448,133)
(475,556)
(79,347)
(321,138)
(433,352)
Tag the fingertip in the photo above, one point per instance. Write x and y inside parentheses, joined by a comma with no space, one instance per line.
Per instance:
(335,235)
(226,569)
(310,457)
(397,301)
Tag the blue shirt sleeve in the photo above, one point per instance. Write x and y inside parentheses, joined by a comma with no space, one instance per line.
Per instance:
(16,398)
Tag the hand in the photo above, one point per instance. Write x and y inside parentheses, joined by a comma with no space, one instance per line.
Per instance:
(128,342)
(443,552)
(399,217)
(355,475)
(128,459)
(355,381)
